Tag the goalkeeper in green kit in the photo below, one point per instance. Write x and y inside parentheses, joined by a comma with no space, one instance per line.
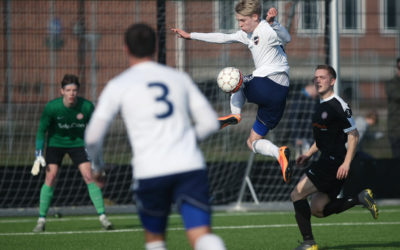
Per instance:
(64,120)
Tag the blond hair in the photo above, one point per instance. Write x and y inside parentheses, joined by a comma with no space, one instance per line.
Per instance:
(248,7)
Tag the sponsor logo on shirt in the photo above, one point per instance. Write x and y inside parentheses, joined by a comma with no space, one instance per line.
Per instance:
(72,125)
(60,117)
(320,126)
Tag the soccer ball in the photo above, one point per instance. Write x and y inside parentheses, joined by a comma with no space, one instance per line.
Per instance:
(230,79)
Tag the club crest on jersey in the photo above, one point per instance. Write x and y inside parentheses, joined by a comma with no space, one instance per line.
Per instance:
(324,115)
(348,113)
(256,39)
(79,116)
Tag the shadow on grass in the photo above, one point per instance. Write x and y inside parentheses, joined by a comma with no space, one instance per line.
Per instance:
(391,245)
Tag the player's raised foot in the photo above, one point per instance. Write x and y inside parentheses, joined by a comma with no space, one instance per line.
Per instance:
(284,161)
(366,198)
(307,245)
(231,119)
(105,223)
(40,226)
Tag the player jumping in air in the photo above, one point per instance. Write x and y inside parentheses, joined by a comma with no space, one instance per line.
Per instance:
(64,120)
(333,126)
(268,86)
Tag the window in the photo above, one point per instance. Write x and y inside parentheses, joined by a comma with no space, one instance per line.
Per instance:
(226,15)
(391,15)
(350,20)
(310,21)
(351,16)
(311,16)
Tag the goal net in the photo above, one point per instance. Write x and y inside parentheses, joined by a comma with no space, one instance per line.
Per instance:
(43,40)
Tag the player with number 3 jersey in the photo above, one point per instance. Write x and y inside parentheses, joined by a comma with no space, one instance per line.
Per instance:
(165,116)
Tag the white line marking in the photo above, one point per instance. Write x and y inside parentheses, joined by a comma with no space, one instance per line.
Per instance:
(214,228)
(216,214)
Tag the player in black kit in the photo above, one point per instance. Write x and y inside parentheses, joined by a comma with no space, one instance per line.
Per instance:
(333,126)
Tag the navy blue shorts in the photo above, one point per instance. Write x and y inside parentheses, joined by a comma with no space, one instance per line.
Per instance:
(55,155)
(189,191)
(271,100)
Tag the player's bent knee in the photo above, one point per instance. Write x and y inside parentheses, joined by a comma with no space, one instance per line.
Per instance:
(87,178)
(317,209)
(317,213)
(295,196)
(209,242)
(50,179)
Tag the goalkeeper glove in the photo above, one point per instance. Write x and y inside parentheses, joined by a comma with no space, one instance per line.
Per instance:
(39,161)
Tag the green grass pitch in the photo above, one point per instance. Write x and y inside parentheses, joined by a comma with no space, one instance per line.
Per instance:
(353,229)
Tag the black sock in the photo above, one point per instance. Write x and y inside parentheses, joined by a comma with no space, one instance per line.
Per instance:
(303,218)
(339,205)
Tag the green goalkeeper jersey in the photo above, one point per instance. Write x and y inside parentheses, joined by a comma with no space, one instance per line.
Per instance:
(65,126)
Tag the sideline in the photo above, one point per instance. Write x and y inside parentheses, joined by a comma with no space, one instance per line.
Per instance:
(215,214)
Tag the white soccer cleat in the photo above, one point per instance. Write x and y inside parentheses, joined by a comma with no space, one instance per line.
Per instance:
(40,226)
(105,223)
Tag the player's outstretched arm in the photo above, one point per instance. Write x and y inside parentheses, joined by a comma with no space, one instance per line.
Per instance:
(181,33)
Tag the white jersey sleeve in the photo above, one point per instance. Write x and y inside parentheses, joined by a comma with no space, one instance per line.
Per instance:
(264,44)
(108,106)
(283,35)
(239,36)
(204,117)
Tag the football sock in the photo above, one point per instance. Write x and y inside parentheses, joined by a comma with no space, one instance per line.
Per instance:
(46,195)
(156,245)
(97,197)
(237,101)
(209,242)
(265,147)
(339,205)
(303,218)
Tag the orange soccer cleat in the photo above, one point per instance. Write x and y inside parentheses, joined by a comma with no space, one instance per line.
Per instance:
(284,161)
(231,119)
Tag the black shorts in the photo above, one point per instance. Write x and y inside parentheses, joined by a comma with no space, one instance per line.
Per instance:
(322,174)
(55,155)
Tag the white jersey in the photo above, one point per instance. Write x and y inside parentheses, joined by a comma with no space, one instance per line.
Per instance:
(159,106)
(264,44)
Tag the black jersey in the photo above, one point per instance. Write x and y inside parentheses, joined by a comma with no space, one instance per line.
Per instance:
(331,122)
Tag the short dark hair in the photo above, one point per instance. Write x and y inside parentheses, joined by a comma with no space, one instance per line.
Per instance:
(398,60)
(141,40)
(329,68)
(70,79)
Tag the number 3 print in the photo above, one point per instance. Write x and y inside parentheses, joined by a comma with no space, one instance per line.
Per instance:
(163,98)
